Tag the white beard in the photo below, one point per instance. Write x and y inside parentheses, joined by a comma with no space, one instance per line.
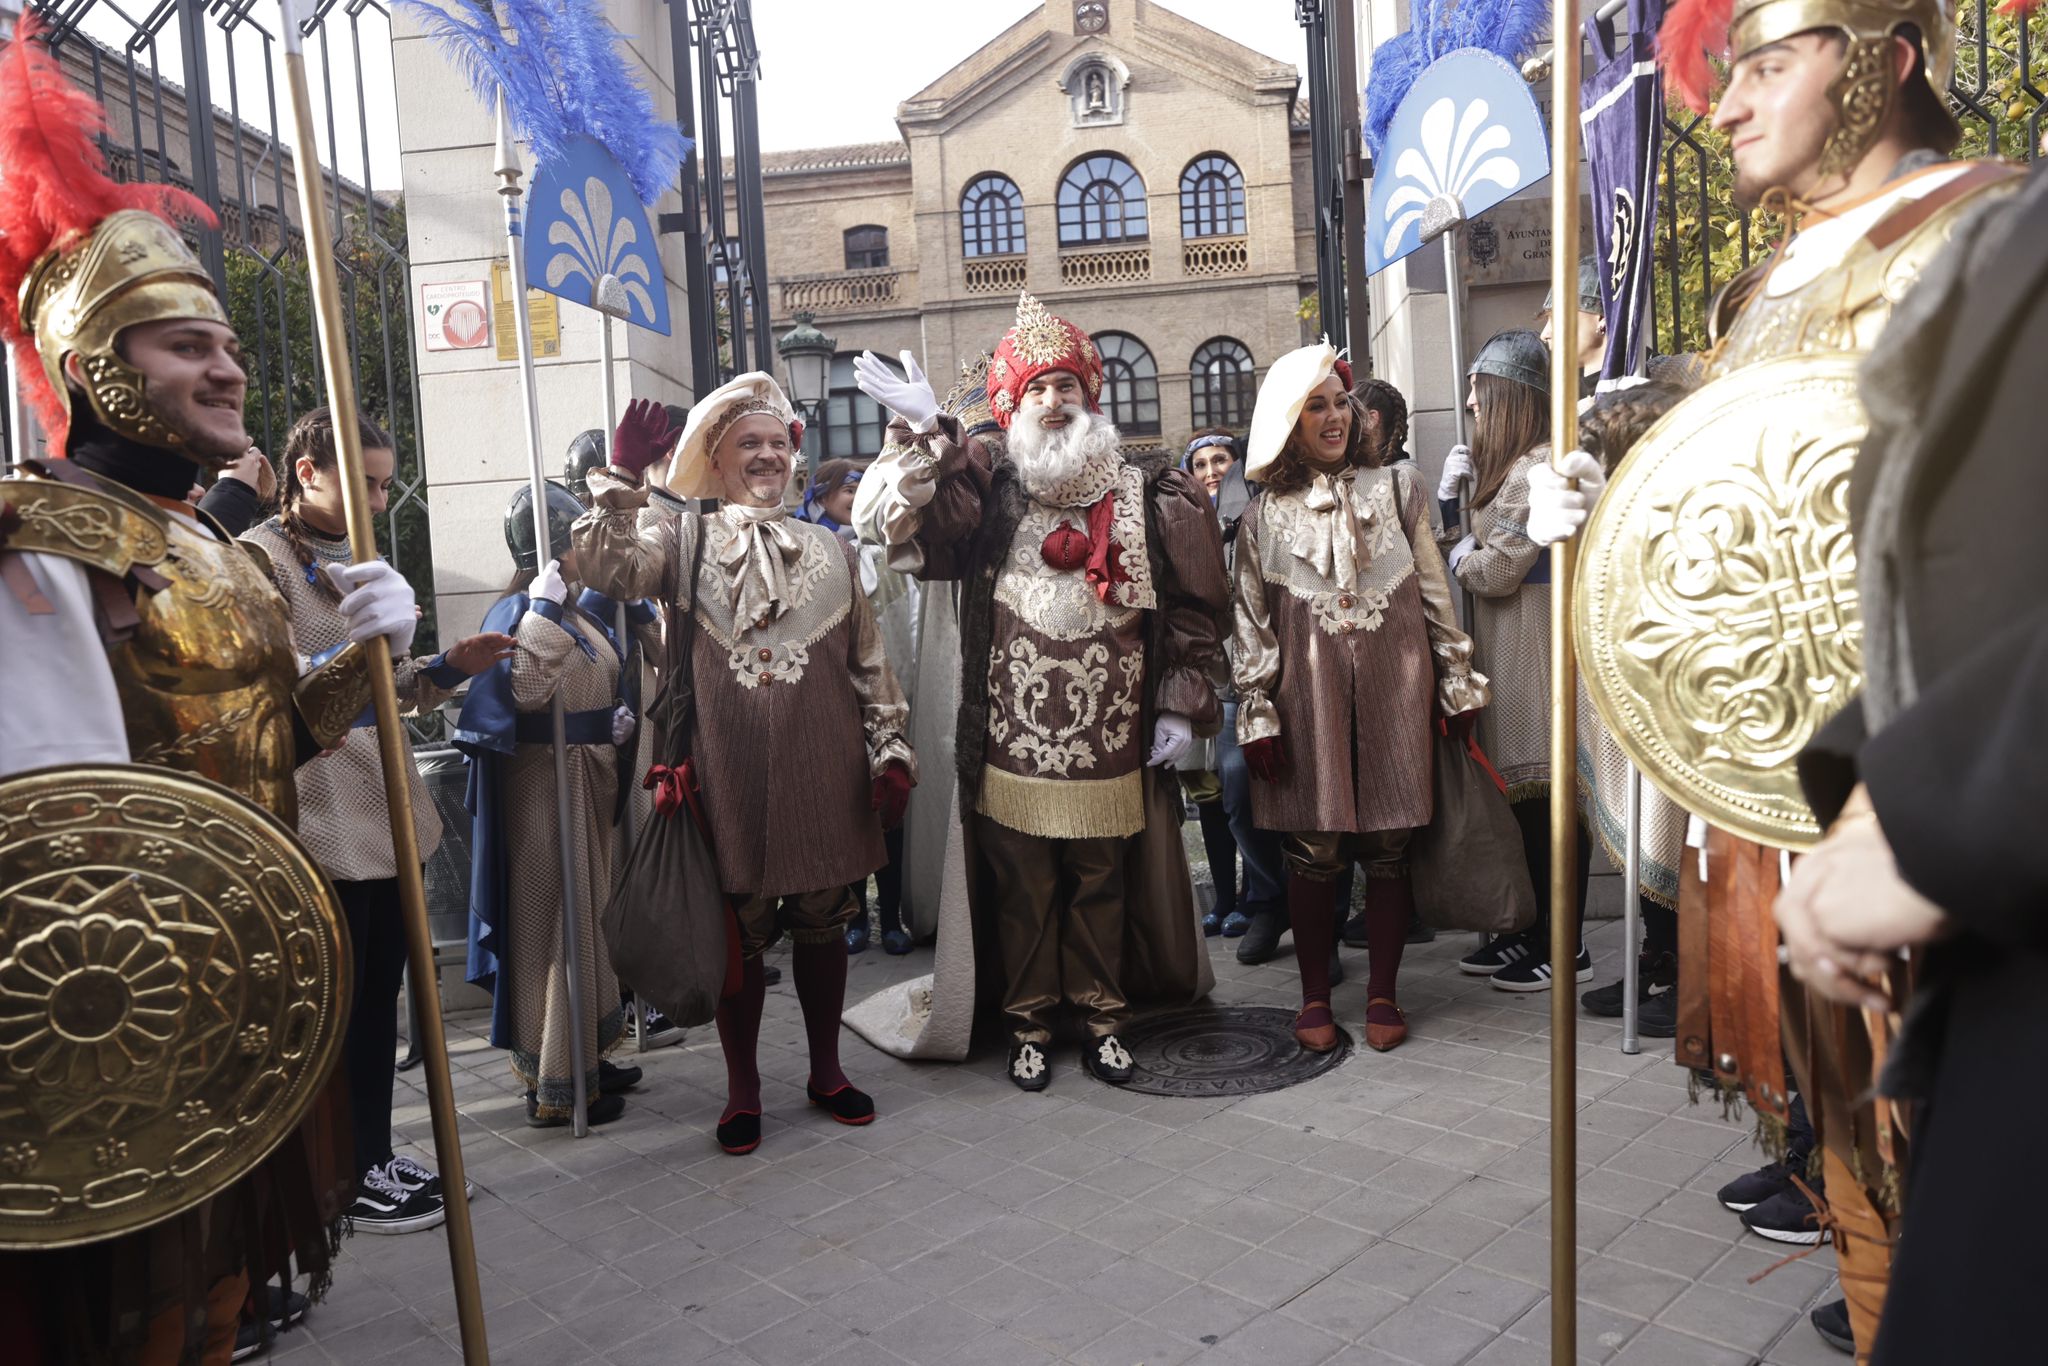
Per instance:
(1049,458)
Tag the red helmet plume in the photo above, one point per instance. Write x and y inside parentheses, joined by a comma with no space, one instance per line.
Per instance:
(1693,30)
(54,189)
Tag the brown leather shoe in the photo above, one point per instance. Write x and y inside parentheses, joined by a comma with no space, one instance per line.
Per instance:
(1315,1028)
(1383,1037)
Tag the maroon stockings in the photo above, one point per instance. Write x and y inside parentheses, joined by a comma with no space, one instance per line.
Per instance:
(1312,905)
(820,972)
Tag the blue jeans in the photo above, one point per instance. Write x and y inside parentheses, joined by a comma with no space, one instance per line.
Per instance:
(1264,882)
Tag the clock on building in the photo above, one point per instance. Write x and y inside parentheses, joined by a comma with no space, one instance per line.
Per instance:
(1091,16)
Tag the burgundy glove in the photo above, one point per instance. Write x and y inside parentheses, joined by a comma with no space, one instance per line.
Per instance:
(643,436)
(1267,759)
(892,794)
(1460,727)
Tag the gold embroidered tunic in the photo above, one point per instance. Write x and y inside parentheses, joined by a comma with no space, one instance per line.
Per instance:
(797,708)
(1346,643)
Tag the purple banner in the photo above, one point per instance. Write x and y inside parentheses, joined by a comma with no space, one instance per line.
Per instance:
(1622,120)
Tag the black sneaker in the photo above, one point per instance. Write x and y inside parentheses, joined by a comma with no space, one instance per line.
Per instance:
(1657,1018)
(660,1030)
(1354,932)
(597,1109)
(1531,972)
(387,1205)
(419,1176)
(1261,943)
(1499,952)
(1748,1191)
(1028,1067)
(1831,1321)
(286,1308)
(612,1078)
(1106,1059)
(1654,976)
(1787,1217)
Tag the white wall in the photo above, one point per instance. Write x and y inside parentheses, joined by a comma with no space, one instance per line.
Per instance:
(473,425)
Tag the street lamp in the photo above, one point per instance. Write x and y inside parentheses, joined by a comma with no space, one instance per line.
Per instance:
(807,355)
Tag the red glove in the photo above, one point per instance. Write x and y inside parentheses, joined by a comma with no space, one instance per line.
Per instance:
(892,794)
(1267,759)
(643,436)
(1460,727)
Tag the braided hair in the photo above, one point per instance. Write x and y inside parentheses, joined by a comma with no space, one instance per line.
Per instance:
(312,437)
(1377,396)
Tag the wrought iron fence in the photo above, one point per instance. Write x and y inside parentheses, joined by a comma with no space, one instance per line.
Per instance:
(1999,94)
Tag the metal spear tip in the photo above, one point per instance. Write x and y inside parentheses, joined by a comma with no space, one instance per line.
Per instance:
(508,155)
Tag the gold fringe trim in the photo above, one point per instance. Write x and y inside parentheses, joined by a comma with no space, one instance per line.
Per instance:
(1064,808)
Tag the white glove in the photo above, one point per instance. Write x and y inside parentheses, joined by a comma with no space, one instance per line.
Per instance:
(1556,509)
(548,585)
(1172,736)
(377,601)
(1459,551)
(624,723)
(1457,469)
(910,398)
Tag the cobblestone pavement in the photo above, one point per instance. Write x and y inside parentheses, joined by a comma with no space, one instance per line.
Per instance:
(1391,1211)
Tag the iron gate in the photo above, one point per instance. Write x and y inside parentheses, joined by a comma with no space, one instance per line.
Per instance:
(192,98)
(1999,93)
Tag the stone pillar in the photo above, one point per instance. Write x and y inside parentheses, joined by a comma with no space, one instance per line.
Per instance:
(472,419)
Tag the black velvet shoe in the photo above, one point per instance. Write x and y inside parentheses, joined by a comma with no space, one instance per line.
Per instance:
(857,937)
(1261,943)
(741,1133)
(849,1104)
(600,1109)
(1105,1058)
(895,943)
(613,1078)
(1212,924)
(1028,1067)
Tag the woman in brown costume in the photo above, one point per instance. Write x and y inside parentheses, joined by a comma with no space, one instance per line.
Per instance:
(1345,632)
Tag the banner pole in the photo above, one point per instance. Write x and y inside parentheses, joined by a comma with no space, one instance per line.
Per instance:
(1566,45)
(391,741)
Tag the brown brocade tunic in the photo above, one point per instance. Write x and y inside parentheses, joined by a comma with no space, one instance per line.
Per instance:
(1347,672)
(797,709)
(1060,688)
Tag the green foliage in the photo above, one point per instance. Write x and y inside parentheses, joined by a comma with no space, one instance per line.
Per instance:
(270,303)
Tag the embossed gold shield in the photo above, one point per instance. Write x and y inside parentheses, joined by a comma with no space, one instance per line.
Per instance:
(1716,600)
(173,983)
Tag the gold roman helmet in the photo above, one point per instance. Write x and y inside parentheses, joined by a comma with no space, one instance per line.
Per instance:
(133,267)
(1863,91)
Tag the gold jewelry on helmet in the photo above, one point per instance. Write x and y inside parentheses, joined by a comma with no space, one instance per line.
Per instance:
(132,268)
(1865,88)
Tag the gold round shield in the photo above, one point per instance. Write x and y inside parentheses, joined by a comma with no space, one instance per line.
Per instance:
(1716,605)
(173,989)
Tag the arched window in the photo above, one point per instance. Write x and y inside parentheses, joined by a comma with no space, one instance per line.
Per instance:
(1102,199)
(867,247)
(1130,383)
(1212,198)
(992,218)
(1220,384)
(851,424)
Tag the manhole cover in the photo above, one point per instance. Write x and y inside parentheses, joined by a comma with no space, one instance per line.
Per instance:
(1222,1051)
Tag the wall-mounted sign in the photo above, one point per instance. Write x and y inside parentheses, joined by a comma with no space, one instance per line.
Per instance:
(543,316)
(456,315)
(1509,244)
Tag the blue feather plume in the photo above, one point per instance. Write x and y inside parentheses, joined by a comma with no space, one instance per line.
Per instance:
(1510,29)
(563,75)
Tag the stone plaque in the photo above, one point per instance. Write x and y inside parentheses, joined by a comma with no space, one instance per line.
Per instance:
(1509,244)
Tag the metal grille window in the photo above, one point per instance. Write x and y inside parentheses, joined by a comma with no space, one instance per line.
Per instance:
(1212,198)
(1130,383)
(1102,199)
(853,423)
(1220,384)
(867,247)
(992,218)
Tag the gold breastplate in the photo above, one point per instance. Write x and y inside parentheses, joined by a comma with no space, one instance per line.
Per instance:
(1844,306)
(206,678)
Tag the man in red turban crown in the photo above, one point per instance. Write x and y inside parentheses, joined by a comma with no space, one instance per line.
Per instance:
(1094,606)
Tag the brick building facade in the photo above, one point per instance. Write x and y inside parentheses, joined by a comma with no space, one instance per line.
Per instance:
(1142,175)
